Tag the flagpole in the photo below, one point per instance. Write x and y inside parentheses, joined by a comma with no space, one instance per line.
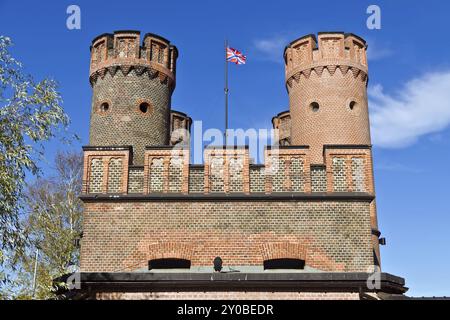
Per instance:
(226,93)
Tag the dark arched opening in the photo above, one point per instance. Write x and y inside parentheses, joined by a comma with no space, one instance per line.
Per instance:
(284,263)
(169,263)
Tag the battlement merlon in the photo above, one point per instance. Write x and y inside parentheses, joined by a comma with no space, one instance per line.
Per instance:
(180,127)
(347,170)
(282,123)
(122,50)
(334,49)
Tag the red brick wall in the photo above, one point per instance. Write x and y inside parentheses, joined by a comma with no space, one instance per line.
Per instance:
(123,236)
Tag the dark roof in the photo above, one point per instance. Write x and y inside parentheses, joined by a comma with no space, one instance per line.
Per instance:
(190,281)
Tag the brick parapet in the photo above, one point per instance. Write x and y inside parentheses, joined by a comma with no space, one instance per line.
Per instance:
(286,169)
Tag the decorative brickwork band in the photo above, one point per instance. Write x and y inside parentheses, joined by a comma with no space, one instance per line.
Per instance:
(281,250)
(170,250)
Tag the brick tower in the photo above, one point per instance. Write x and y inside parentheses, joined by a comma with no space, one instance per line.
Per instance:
(326,81)
(132,88)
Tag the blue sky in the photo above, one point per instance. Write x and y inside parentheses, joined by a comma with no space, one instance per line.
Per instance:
(409,91)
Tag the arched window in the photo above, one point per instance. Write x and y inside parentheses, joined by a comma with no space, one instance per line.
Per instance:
(284,263)
(169,263)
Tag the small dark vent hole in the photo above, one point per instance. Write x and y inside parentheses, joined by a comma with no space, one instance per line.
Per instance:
(104,107)
(143,107)
(314,106)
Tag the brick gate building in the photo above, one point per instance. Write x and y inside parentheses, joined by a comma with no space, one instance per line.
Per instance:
(301,225)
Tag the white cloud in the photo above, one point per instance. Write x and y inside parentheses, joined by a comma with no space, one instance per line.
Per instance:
(396,167)
(271,48)
(375,51)
(421,107)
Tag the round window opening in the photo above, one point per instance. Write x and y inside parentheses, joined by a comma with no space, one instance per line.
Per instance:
(352,105)
(314,106)
(104,107)
(144,107)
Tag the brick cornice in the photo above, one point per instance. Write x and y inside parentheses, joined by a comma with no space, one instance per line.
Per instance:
(332,66)
(142,68)
(279,196)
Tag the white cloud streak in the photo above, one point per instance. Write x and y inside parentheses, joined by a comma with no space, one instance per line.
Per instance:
(396,167)
(271,48)
(375,51)
(421,107)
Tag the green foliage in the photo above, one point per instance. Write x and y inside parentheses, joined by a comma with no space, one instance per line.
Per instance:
(30,114)
(52,222)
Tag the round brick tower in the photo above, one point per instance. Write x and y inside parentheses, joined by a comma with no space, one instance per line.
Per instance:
(327,81)
(132,88)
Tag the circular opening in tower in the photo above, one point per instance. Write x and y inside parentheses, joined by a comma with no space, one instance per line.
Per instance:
(352,105)
(144,107)
(104,107)
(314,106)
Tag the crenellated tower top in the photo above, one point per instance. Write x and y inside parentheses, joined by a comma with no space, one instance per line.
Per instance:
(122,50)
(332,50)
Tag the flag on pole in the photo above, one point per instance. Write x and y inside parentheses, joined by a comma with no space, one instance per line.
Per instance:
(235,56)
